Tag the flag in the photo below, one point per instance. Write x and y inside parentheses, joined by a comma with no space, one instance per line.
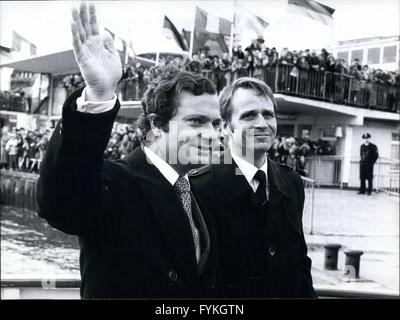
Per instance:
(119,43)
(170,32)
(186,37)
(20,44)
(130,52)
(207,23)
(312,9)
(210,32)
(249,21)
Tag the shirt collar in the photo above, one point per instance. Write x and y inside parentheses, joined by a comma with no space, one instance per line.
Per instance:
(248,169)
(165,169)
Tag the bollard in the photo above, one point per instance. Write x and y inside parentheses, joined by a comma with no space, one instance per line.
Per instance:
(353,263)
(331,256)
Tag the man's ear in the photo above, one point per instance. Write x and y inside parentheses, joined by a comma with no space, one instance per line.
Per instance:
(154,129)
(227,128)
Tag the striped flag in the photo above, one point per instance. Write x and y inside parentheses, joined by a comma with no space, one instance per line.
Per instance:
(207,23)
(170,32)
(312,9)
(245,20)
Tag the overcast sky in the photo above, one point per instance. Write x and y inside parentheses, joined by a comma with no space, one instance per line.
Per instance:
(46,23)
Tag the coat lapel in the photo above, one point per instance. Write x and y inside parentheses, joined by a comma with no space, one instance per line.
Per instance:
(163,200)
(204,234)
(282,194)
(230,181)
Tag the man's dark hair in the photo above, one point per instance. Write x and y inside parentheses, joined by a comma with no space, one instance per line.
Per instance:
(226,95)
(161,96)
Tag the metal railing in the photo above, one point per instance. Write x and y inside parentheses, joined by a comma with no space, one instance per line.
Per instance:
(282,78)
(13,103)
(329,171)
(333,87)
(325,170)
(388,176)
(308,210)
(311,84)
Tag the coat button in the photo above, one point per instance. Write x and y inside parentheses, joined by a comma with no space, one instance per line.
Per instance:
(272,250)
(172,275)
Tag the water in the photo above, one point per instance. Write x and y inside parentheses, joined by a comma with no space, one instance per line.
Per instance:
(31,248)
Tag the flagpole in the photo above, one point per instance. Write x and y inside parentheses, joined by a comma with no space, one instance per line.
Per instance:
(126,53)
(232,29)
(192,35)
(158,47)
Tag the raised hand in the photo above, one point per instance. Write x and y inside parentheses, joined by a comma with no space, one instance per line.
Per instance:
(98,60)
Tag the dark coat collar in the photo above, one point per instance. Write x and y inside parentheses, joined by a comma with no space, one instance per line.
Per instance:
(233,184)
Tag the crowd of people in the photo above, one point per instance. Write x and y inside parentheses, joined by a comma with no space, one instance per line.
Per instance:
(122,141)
(23,149)
(255,58)
(296,67)
(294,152)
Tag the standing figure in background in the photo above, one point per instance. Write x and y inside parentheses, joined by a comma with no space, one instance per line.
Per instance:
(368,156)
(12,149)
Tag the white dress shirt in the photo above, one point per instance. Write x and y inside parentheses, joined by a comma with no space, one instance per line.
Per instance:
(94,106)
(172,176)
(249,171)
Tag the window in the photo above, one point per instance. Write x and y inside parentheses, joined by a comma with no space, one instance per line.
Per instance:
(304,131)
(389,54)
(286,130)
(374,55)
(357,54)
(328,134)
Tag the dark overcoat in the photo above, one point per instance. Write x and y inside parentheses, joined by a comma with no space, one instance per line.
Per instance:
(261,251)
(135,238)
(368,156)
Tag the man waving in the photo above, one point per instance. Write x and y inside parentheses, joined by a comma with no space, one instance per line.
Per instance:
(141,230)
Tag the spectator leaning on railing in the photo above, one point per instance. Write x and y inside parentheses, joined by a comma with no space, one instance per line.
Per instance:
(299,72)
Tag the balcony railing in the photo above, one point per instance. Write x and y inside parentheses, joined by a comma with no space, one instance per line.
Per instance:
(286,79)
(333,87)
(316,85)
(13,103)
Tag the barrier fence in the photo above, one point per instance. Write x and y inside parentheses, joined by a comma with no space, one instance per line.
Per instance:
(311,84)
(282,78)
(308,210)
(329,171)
(325,170)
